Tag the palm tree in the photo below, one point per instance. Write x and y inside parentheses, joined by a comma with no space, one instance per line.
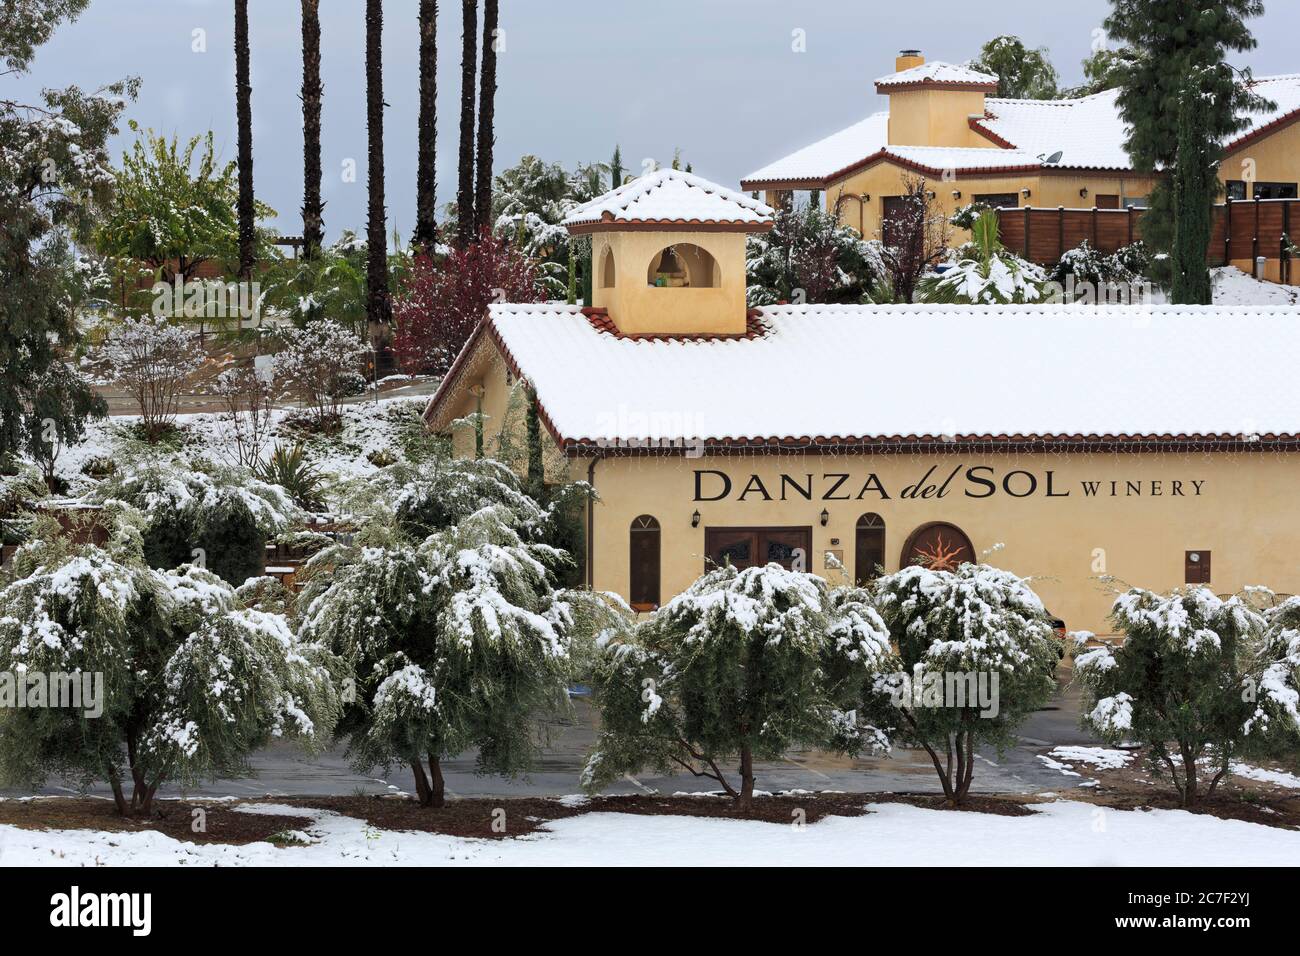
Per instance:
(426,208)
(313,219)
(487,92)
(466,228)
(379,307)
(244,114)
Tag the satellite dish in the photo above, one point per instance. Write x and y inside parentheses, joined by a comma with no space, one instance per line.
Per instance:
(1054,158)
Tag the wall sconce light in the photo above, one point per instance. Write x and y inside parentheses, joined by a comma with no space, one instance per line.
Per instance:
(956,194)
(695,519)
(826,517)
(1083,193)
(1025,192)
(929,194)
(866,197)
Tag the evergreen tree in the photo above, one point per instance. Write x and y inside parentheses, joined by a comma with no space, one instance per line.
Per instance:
(244,116)
(54,174)
(1194,178)
(616,169)
(975,654)
(705,681)
(426,189)
(313,209)
(1022,73)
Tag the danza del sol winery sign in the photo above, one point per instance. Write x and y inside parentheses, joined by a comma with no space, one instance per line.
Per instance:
(973,481)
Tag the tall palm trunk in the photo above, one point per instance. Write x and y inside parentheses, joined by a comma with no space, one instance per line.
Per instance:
(426,198)
(467,229)
(486,134)
(244,115)
(379,308)
(313,210)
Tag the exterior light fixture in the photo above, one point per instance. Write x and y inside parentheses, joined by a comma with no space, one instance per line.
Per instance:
(956,194)
(826,517)
(929,194)
(695,519)
(866,197)
(1083,193)
(1025,192)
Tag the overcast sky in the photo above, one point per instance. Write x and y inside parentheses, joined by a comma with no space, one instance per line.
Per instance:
(717,78)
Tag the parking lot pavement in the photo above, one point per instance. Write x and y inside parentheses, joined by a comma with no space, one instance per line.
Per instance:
(282,769)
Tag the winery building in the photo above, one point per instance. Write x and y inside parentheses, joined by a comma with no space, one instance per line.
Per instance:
(1153,445)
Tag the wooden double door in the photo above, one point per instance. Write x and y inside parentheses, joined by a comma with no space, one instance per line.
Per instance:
(750,547)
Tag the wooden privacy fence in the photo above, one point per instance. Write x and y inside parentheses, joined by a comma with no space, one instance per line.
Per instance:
(1244,230)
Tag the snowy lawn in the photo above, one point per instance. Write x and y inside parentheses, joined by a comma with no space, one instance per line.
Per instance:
(1061,833)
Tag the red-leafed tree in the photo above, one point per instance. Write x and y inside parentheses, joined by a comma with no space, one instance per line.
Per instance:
(442,300)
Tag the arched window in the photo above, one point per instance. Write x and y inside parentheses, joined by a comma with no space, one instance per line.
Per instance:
(643,590)
(869,553)
(684,265)
(607,269)
(938,546)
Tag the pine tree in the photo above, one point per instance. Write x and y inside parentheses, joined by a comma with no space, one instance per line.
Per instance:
(703,682)
(616,169)
(313,209)
(426,190)
(1022,73)
(466,227)
(486,111)
(379,307)
(54,172)
(1194,181)
(244,115)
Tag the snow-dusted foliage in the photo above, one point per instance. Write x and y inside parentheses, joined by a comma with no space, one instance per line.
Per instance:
(975,656)
(1085,274)
(808,256)
(152,360)
(321,363)
(177,679)
(985,273)
(1278,663)
(457,641)
(741,665)
(1180,683)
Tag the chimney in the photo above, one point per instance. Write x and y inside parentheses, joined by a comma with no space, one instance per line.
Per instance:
(907,59)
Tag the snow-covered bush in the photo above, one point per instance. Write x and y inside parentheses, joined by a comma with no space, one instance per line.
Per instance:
(985,273)
(1086,275)
(808,256)
(177,679)
(219,517)
(975,654)
(742,665)
(1276,719)
(319,363)
(153,360)
(1180,683)
(458,641)
(248,394)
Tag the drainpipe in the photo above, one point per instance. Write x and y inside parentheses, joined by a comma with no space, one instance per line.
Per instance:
(591,520)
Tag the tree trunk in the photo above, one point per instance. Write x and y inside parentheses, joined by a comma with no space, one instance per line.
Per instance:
(1190,781)
(466,228)
(438,787)
(119,798)
(426,199)
(486,134)
(745,799)
(244,116)
(422,791)
(379,307)
(313,210)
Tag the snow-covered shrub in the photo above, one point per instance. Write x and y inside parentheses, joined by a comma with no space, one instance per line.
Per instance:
(1180,683)
(985,273)
(1086,275)
(220,517)
(319,363)
(249,395)
(458,641)
(153,360)
(1276,719)
(975,654)
(742,665)
(178,680)
(808,256)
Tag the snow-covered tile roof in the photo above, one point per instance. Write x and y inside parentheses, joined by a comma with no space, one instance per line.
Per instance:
(962,158)
(937,71)
(1284,92)
(824,158)
(671,195)
(1087,131)
(865,373)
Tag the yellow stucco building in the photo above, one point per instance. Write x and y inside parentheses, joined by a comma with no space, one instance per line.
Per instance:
(945,123)
(1155,445)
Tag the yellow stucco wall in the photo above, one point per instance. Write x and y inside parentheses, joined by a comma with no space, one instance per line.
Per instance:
(1241,511)
(637,307)
(930,117)
(1273,159)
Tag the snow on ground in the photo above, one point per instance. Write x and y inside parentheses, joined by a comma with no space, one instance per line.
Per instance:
(1234,287)
(1279,778)
(1101,758)
(1064,833)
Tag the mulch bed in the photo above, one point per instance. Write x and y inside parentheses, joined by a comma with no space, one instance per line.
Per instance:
(175,818)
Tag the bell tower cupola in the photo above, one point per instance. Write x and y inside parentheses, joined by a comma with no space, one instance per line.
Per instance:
(668,254)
